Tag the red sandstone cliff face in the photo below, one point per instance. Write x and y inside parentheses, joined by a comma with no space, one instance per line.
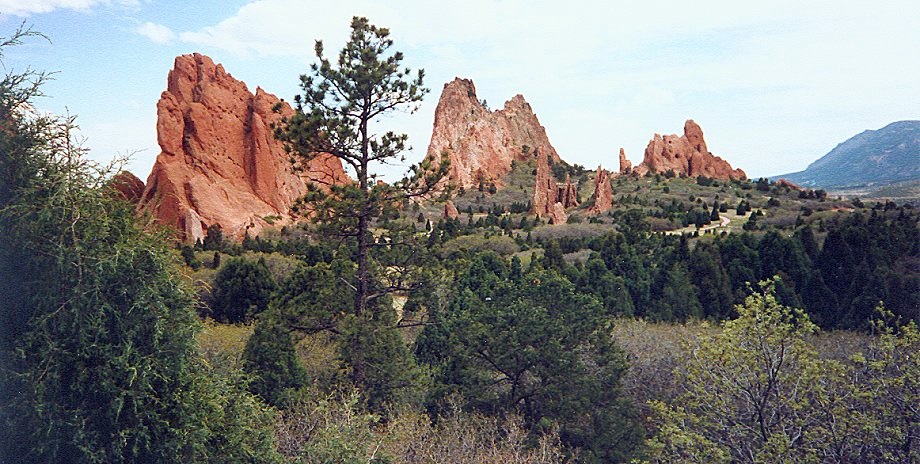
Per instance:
(480,143)
(220,163)
(687,155)
(603,192)
(128,186)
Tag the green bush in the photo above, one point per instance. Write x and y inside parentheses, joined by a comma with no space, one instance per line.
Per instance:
(242,289)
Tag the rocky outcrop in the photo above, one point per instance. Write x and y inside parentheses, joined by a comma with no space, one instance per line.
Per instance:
(602,198)
(686,155)
(568,193)
(789,184)
(128,186)
(220,162)
(481,144)
(549,198)
(625,165)
(450,210)
(558,215)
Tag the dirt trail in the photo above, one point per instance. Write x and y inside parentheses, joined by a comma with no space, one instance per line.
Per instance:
(724,221)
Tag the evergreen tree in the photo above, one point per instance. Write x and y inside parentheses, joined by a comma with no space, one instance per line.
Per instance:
(97,353)
(271,359)
(708,275)
(809,243)
(674,296)
(608,288)
(836,262)
(780,255)
(739,255)
(552,256)
(820,302)
(242,289)
(214,238)
(340,102)
(188,254)
(540,349)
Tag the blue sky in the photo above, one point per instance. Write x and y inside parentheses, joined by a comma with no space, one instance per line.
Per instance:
(774,85)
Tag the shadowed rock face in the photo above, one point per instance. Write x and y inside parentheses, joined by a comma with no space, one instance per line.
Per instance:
(481,143)
(687,155)
(219,161)
(128,186)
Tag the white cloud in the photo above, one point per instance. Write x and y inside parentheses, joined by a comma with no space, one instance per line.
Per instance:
(157,33)
(29,7)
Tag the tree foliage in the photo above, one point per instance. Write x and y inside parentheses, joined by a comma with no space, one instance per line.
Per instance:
(758,392)
(537,347)
(270,357)
(334,115)
(97,355)
(242,289)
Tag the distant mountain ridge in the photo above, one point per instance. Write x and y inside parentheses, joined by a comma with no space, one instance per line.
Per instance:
(872,158)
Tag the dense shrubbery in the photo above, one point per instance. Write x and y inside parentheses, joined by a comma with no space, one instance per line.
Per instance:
(241,290)
(97,356)
(758,391)
(527,342)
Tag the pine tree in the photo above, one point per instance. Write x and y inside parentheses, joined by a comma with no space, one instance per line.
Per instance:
(340,102)
(271,358)
(241,290)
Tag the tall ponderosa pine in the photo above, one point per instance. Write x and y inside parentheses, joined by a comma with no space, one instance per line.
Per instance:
(340,102)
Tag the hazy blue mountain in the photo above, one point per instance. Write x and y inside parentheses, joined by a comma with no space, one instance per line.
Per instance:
(873,158)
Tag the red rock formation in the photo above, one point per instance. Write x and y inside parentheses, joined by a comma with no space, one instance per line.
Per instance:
(450,210)
(687,155)
(548,197)
(128,186)
(558,215)
(788,183)
(603,192)
(544,189)
(220,163)
(480,143)
(625,165)
(567,193)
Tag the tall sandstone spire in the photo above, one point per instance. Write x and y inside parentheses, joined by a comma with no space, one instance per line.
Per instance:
(549,198)
(481,144)
(602,198)
(219,162)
